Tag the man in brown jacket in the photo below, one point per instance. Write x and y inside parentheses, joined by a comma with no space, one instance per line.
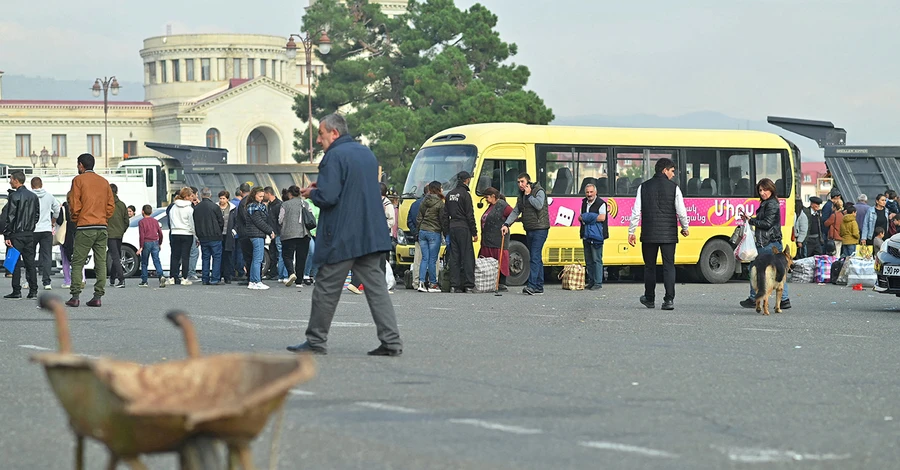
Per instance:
(92,204)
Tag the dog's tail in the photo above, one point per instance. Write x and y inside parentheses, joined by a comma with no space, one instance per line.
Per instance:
(761,269)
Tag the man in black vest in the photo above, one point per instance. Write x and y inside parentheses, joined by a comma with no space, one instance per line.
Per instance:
(659,207)
(814,240)
(459,218)
(533,206)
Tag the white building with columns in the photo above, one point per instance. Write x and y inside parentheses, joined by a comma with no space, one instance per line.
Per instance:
(232,91)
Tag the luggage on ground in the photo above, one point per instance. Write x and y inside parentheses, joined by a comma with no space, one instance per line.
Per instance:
(486,274)
(572,277)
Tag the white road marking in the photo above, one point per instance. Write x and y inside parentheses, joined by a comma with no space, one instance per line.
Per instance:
(385,407)
(257,326)
(36,348)
(302,393)
(853,336)
(749,455)
(608,319)
(541,315)
(760,329)
(496,426)
(603,445)
(677,324)
(439,308)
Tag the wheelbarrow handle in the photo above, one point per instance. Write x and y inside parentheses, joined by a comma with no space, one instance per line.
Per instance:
(54,305)
(180,319)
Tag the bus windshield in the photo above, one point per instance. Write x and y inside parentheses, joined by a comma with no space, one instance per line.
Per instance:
(441,163)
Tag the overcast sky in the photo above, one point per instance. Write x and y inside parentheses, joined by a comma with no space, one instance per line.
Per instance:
(820,59)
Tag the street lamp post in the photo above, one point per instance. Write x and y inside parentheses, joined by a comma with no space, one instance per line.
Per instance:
(106,85)
(324,48)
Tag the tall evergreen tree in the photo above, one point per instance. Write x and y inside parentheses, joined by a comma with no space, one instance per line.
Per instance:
(402,80)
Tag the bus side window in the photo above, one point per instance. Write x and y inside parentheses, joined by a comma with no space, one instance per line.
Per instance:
(701,172)
(770,164)
(736,167)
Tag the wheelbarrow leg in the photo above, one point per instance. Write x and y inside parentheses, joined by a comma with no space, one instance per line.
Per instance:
(233,463)
(246,457)
(135,464)
(79,452)
(113,462)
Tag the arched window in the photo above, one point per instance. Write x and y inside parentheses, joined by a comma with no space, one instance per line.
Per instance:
(257,148)
(212,137)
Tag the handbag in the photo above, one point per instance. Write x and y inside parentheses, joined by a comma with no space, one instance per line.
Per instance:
(59,236)
(307,219)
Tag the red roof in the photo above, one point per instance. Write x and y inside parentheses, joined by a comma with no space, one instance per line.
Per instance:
(813,168)
(237,81)
(74,102)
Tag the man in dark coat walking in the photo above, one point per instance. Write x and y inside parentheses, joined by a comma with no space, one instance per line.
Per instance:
(659,207)
(352,234)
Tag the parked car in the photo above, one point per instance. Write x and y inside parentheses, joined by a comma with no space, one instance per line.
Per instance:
(889,272)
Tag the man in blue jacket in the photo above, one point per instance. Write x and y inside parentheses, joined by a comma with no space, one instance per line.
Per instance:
(352,234)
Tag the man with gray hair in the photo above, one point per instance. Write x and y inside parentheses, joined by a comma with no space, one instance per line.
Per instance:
(353,234)
(209,224)
(862,208)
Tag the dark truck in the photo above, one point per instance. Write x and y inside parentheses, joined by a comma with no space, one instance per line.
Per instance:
(855,170)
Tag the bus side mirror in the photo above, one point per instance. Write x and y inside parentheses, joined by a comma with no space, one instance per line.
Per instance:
(481,203)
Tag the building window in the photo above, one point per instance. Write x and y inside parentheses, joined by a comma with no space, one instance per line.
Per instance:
(273,69)
(58,144)
(220,66)
(257,148)
(151,70)
(263,64)
(163,71)
(189,69)
(251,68)
(176,70)
(204,69)
(23,145)
(93,145)
(237,68)
(212,137)
(129,148)
(807,178)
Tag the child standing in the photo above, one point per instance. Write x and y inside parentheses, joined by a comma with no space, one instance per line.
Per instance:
(849,232)
(878,239)
(150,239)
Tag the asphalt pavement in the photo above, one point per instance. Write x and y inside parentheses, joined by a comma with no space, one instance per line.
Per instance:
(578,380)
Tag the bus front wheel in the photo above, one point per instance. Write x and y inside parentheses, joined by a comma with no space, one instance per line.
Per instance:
(519,264)
(717,262)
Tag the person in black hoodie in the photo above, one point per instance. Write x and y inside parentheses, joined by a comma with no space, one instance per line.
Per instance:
(256,228)
(208,224)
(459,221)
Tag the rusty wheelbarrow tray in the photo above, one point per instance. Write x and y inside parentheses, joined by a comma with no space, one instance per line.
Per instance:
(137,409)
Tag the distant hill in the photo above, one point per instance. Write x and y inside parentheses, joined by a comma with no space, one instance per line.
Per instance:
(21,87)
(698,120)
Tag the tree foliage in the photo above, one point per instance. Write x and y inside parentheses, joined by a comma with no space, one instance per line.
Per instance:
(402,80)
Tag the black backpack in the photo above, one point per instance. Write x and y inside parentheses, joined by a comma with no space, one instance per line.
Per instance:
(836,268)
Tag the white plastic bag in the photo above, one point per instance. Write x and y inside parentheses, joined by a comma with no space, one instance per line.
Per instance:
(389,275)
(746,250)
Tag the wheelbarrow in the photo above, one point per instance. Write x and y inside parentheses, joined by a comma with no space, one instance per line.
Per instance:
(136,409)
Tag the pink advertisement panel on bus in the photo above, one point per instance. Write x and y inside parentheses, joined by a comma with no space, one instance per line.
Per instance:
(703,212)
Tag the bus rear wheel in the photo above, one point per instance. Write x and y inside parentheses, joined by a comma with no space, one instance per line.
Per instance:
(519,264)
(717,262)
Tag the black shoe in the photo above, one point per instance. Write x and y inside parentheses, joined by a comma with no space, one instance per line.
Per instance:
(32,296)
(503,288)
(785,304)
(457,290)
(227,281)
(595,287)
(750,303)
(668,305)
(205,283)
(95,302)
(120,284)
(13,296)
(649,303)
(383,351)
(305,347)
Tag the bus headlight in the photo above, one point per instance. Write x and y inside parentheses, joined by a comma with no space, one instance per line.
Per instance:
(401,237)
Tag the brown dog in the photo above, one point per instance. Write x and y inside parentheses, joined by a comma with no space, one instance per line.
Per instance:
(769,272)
